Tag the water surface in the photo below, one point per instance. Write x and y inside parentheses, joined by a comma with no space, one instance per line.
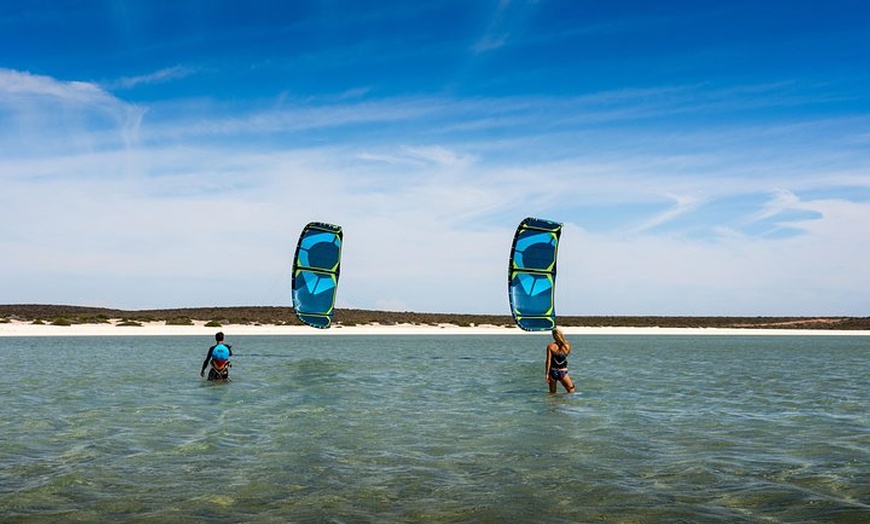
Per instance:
(437,429)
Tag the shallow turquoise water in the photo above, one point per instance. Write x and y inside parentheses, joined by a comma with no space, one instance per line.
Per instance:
(437,429)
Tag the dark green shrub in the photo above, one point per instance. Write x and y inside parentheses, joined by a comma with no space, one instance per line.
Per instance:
(179,322)
(91,320)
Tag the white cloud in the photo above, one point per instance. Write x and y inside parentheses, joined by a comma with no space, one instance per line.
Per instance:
(194,207)
(48,116)
(663,275)
(19,83)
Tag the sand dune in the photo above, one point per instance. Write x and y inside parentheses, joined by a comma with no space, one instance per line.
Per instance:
(24,329)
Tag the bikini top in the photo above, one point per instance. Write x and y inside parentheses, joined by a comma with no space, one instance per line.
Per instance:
(558,360)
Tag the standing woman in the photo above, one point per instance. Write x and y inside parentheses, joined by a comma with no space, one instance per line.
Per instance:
(557,362)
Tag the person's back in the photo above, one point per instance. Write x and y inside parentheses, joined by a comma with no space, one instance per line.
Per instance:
(219,358)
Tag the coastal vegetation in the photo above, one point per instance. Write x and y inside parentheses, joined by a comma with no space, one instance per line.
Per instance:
(273,315)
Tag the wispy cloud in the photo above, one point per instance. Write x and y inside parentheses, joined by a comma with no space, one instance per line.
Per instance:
(46,114)
(683,204)
(506,19)
(782,200)
(24,84)
(489,43)
(439,156)
(164,75)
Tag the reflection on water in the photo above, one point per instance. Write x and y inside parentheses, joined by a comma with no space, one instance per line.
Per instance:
(444,429)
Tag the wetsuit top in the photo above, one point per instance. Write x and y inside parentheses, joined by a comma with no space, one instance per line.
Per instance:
(558,360)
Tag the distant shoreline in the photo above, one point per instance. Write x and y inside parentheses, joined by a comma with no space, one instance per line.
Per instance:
(115,327)
(268,319)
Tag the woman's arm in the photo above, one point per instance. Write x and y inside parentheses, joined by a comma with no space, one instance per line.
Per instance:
(547,366)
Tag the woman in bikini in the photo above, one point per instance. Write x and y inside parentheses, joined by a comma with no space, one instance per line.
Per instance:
(557,362)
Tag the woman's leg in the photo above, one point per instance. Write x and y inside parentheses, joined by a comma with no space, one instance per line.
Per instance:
(566,382)
(552,383)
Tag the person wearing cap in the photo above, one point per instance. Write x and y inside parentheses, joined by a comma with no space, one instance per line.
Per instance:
(219,358)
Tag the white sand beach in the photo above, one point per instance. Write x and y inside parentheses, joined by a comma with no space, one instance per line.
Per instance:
(25,329)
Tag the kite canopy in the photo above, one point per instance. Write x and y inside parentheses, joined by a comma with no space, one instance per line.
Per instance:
(316,266)
(532,274)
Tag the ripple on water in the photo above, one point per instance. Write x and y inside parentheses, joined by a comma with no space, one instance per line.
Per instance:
(444,429)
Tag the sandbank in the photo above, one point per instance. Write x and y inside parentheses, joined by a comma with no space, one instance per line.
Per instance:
(26,329)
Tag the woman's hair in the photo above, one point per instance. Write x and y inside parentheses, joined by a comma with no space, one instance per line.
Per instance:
(559,337)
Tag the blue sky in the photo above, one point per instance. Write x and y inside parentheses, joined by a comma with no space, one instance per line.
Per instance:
(706,158)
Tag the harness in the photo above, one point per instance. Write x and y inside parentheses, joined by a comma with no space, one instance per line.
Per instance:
(220,369)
